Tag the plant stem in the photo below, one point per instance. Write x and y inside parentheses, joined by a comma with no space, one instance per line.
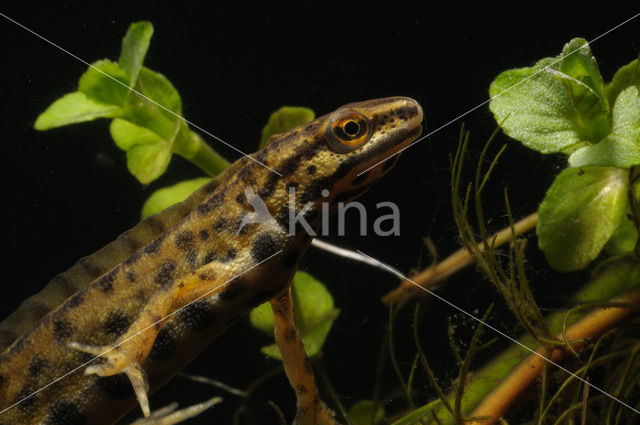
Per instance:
(460,259)
(609,283)
(504,396)
(192,147)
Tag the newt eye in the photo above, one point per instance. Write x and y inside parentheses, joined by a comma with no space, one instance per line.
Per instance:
(348,131)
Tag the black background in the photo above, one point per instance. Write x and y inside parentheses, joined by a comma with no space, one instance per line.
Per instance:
(67,191)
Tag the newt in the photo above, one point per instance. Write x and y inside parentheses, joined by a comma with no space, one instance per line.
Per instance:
(134,313)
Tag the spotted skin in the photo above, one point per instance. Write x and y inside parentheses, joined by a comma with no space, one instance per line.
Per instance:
(127,293)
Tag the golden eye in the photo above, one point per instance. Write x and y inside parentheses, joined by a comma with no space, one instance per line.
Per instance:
(347,131)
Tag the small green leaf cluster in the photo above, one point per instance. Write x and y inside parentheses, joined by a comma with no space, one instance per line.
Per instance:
(144,107)
(562,105)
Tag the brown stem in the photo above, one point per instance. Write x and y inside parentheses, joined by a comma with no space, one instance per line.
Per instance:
(495,405)
(460,259)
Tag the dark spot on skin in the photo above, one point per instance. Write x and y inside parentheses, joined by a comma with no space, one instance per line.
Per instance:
(210,187)
(314,189)
(343,169)
(117,322)
(90,268)
(279,309)
(310,150)
(36,366)
(106,282)
(116,386)
(165,273)
(61,329)
(130,242)
(301,389)
(204,234)
(134,257)
(26,403)
(241,198)
(245,172)
(131,276)
(184,240)
(231,254)
(290,259)
(164,346)
(233,289)
(192,258)
(360,179)
(263,247)
(207,275)
(153,246)
(155,224)
(209,257)
(64,412)
(156,320)
(289,165)
(75,301)
(197,316)
(307,365)
(220,224)
(290,335)
(269,186)
(211,204)
(63,285)
(311,170)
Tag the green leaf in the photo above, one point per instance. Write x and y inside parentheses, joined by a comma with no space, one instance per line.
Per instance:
(134,48)
(554,105)
(315,314)
(579,63)
(167,196)
(623,239)
(621,148)
(362,413)
(535,108)
(147,113)
(148,162)
(628,75)
(105,82)
(126,134)
(284,119)
(73,108)
(579,214)
(148,155)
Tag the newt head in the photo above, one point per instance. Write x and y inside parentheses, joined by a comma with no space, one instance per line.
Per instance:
(338,156)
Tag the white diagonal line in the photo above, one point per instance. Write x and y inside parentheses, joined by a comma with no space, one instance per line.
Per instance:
(498,331)
(499,94)
(137,333)
(135,91)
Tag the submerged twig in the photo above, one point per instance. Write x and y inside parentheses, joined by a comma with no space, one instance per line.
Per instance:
(504,396)
(430,277)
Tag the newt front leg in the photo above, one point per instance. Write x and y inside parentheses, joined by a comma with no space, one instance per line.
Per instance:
(129,351)
(310,409)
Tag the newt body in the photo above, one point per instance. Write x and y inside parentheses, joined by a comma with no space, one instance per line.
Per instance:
(163,290)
